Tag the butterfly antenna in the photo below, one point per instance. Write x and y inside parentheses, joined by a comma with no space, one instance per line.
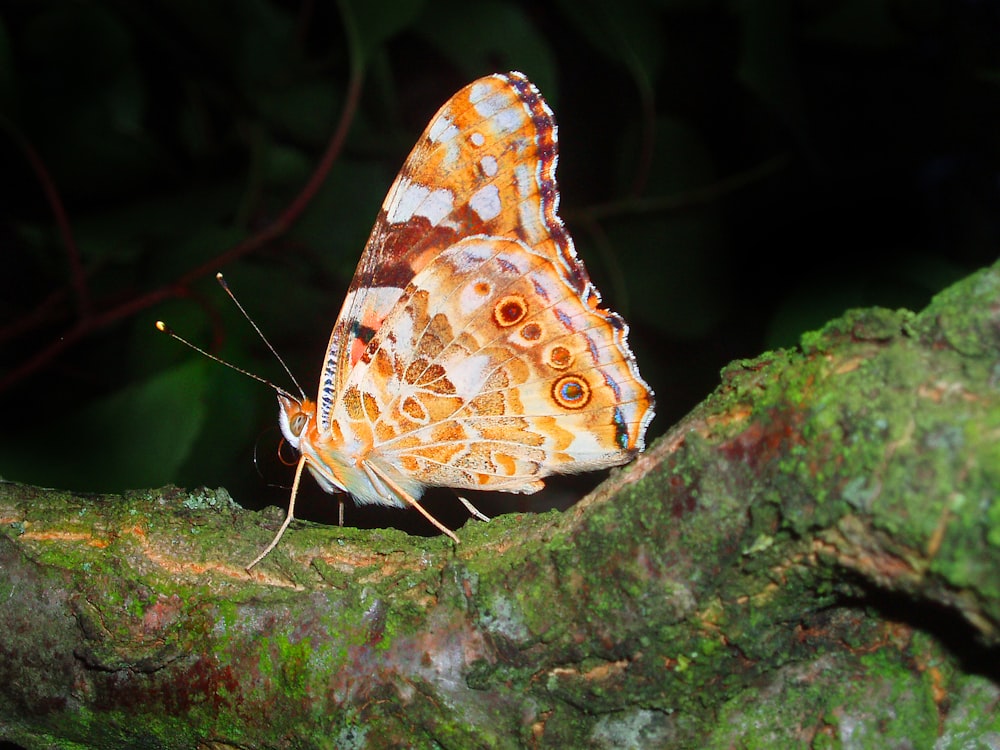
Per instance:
(225,286)
(164,328)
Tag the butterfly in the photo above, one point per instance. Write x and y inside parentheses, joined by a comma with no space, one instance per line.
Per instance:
(471,351)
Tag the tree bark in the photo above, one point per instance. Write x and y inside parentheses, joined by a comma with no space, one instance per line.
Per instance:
(810,558)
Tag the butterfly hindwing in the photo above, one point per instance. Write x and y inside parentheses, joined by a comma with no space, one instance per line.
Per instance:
(491,373)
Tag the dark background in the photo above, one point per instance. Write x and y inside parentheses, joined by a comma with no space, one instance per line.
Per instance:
(734,173)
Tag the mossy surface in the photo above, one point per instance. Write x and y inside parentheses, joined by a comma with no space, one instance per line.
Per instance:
(743,589)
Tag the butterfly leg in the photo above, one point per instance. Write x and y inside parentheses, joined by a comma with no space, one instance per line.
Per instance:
(404,495)
(473,510)
(288,516)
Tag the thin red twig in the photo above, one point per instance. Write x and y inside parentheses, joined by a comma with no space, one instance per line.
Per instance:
(88,323)
(77,275)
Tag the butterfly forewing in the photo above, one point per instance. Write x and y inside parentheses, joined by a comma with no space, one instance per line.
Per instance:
(484,165)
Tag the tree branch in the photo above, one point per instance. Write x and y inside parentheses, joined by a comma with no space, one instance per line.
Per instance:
(812,551)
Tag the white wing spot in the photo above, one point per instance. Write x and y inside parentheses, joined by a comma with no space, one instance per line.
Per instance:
(479,91)
(532,223)
(442,129)
(411,199)
(438,205)
(470,300)
(486,202)
(489,165)
(525,180)
(509,120)
(478,139)
(497,108)
(468,375)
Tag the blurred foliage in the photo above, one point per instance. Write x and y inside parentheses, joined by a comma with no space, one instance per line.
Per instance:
(734,172)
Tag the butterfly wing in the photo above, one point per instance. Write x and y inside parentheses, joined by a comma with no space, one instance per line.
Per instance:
(484,165)
(472,351)
(491,373)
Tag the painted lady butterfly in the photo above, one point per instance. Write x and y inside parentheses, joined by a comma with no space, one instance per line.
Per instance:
(471,351)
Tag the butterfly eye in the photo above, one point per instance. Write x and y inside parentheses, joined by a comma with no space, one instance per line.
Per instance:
(297,423)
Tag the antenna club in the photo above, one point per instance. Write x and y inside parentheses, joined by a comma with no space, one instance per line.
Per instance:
(161,326)
(222,281)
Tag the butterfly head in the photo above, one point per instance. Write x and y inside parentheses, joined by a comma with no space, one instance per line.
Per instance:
(322,453)
(295,417)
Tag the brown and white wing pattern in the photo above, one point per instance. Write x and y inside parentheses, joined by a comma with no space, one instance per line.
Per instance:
(472,350)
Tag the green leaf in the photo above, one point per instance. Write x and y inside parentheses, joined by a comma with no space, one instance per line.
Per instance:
(151,426)
(137,437)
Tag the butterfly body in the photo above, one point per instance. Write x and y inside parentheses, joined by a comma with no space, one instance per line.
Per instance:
(471,351)
(338,464)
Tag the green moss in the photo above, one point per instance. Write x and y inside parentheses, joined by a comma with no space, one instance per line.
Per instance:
(963,315)
(293,661)
(973,719)
(86,729)
(993,517)
(874,701)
